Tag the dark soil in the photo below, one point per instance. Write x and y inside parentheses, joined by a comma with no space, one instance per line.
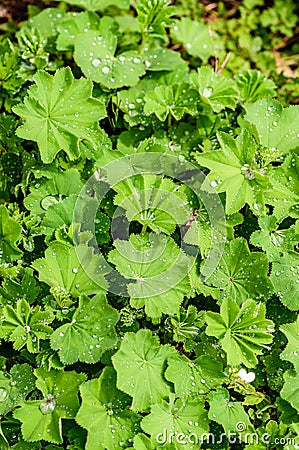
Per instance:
(16,10)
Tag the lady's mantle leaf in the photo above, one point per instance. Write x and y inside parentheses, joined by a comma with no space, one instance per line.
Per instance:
(290,390)
(73,270)
(25,325)
(285,279)
(234,278)
(53,191)
(105,413)
(215,90)
(89,334)
(15,387)
(273,241)
(10,233)
(229,414)
(182,418)
(291,352)
(242,332)
(192,378)
(253,85)
(276,128)
(139,364)
(157,269)
(58,113)
(176,100)
(95,54)
(233,170)
(153,201)
(198,41)
(60,391)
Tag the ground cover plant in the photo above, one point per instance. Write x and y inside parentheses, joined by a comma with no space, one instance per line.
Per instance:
(149,225)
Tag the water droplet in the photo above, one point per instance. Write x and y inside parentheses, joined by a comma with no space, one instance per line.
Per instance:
(105,70)
(96,62)
(3,394)
(47,406)
(207,92)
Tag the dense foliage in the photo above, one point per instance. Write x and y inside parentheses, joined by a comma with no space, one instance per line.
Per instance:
(149,227)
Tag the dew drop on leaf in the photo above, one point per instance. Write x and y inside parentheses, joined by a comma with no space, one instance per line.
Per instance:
(3,394)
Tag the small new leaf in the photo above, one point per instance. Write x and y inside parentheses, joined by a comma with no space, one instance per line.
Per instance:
(242,332)
(58,112)
(25,325)
(234,170)
(176,100)
(215,90)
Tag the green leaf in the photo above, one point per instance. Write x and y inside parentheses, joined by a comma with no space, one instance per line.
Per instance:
(153,17)
(176,421)
(89,334)
(15,387)
(25,325)
(139,364)
(234,170)
(196,38)
(53,191)
(98,5)
(193,378)
(10,233)
(290,390)
(60,391)
(291,352)
(254,85)
(283,195)
(72,25)
(10,80)
(157,59)
(58,112)
(160,287)
(241,274)
(102,65)
(175,100)
(215,90)
(153,201)
(23,285)
(72,269)
(273,241)
(228,413)
(276,127)
(243,332)
(105,413)
(285,279)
